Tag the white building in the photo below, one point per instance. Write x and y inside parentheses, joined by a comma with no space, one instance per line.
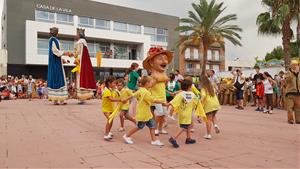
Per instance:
(127,33)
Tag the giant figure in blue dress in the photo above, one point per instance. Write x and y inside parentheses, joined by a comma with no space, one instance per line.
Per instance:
(57,86)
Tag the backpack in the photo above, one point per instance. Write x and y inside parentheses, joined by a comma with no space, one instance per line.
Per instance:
(237,84)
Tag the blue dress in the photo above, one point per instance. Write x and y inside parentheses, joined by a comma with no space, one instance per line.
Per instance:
(57,87)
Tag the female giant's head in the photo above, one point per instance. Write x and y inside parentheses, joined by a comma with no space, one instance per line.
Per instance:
(80,34)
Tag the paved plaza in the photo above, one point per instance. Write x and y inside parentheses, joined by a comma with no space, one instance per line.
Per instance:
(38,134)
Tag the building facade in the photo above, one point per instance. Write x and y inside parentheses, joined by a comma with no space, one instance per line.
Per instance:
(190,59)
(123,35)
(3,46)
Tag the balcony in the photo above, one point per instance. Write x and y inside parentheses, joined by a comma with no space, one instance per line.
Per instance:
(214,61)
(192,59)
(192,71)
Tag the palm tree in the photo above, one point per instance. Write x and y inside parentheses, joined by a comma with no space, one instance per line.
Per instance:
(278,21)
(206,26)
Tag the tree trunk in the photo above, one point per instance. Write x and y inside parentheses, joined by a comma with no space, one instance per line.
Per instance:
(298,32)
(286,40)
(204,59)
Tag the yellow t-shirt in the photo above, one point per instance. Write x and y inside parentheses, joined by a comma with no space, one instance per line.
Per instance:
(145,100)
(125,93)
(195,90)
(107,105)
(184,104)
(158,91)
(210,103)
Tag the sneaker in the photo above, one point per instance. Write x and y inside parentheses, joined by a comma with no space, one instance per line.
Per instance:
(121,129)
(81,102)
(217,129)
(207,136)
(163,132)
(157,143)
(107,138)
(173,142)
(110,134)
(258,109)
(265,111)
(270,112)
(127,139)
(192,130)
(156,132)
(190,141)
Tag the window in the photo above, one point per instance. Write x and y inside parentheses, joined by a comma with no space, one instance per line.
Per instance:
(189,67)
(207,67)
(118,26)
(217,55)
(187,53)
(67,45)
(44,16)
(120,52)
(134,28)
(64,19)
(162,35)
(86,22)
(196,54)
(150,31)
(105,50)
(102,24)
(43,47)
(197,66)
(216,68)
(92,49)
(209,55)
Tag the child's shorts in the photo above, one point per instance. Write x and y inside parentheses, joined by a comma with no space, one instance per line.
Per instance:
(150,124)
(169,98)
(259,97)
(212,113)
(184,126)
(160,110)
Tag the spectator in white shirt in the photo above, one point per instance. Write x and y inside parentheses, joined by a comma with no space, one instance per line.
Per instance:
(269,82)
(178,76)
(239,81)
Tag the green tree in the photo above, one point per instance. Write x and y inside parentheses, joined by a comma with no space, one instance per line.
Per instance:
(295,49)
(276,53)
(205,26)
(277,20)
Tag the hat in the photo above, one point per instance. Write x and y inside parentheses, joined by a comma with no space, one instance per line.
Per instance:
(294,62)
(154,51)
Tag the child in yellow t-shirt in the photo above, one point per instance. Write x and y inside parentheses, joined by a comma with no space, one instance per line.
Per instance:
(211,105)
(109,96)
(144,116)
(185,104)
(125,92)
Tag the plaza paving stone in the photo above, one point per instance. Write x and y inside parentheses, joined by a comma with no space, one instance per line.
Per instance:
(37,134)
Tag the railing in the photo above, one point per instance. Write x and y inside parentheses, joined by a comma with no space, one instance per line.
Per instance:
(192,71)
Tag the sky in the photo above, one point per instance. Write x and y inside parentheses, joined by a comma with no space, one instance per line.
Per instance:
(246,10)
